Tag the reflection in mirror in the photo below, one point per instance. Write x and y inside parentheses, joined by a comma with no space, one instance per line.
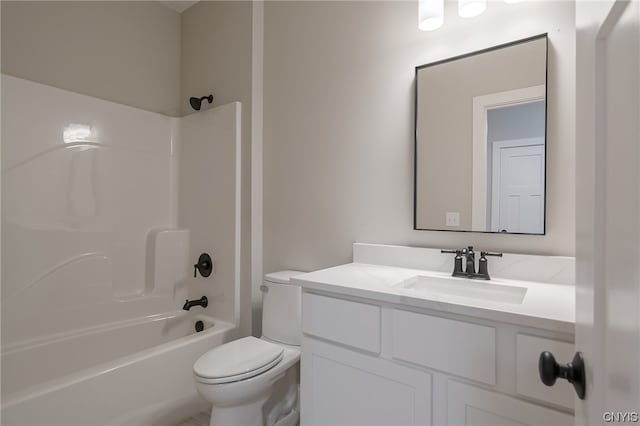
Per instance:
(481,140)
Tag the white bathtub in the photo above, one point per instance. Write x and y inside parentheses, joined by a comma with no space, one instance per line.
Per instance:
(134,372)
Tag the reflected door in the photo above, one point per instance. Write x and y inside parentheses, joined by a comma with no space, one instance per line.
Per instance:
(518,187)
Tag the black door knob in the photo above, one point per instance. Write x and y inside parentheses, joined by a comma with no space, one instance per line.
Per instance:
(573,372)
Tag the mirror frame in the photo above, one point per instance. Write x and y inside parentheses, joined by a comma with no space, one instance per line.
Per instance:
(546,120)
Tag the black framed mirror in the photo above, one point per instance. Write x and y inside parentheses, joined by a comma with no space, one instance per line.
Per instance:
(480,140)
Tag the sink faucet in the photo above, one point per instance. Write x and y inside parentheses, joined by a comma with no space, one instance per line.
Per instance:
(197,302)
(471,260)
(470,271)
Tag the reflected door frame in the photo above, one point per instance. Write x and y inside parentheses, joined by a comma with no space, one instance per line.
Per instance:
(481,106)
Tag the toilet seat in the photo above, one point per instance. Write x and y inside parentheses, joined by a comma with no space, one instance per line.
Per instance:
(238,360)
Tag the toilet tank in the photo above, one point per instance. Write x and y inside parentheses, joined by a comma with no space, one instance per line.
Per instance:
(281,306)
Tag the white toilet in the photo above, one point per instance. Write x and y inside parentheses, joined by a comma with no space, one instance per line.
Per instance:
(237,378)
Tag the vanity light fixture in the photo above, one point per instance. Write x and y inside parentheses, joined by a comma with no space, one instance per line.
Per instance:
(471,8)
(430,14)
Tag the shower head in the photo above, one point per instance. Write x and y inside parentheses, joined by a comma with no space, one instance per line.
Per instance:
(196,103)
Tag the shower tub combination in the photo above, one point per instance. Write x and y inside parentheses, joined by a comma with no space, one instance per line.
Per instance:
(134,372)
(101,224)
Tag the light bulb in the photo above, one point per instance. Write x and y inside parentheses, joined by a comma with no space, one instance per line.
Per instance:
(430,14)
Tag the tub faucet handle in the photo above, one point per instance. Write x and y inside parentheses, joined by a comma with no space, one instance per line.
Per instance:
(204,265)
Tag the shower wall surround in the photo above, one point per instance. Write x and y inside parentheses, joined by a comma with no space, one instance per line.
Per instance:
(90,211)
(83,180)
(209,203)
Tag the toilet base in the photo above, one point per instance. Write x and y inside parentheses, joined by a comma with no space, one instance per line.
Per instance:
(244,415)
(241,403)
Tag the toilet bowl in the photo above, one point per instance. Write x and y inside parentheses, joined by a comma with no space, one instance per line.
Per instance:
(237,378)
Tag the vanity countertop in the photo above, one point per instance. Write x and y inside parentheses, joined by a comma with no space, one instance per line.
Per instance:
(545,306)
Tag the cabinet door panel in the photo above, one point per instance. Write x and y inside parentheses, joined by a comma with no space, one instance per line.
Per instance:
(479,417)
(528,383)
(457,347)
(471,406)
(343,321)
(342,387)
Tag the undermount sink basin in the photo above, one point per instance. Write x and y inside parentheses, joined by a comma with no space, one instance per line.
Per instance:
(427,286)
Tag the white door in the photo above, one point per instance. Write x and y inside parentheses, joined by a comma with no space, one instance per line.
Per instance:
(517,188)
(608,209)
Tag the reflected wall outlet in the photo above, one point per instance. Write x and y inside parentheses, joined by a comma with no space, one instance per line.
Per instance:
(453,219)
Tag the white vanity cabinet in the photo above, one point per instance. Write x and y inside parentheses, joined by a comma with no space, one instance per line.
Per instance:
(374,363)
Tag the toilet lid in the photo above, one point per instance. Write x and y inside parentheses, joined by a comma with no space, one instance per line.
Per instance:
(238,360)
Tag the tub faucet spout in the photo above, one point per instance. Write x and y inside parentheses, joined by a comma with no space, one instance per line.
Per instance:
(197,302)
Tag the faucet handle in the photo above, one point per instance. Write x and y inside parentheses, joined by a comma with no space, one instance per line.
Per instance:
(483,271)
(488,253)
(457,261)
(458,253)
(204,265)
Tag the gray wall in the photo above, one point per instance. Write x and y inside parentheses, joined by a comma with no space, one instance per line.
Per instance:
(126,52)
(338,124)
(216,58)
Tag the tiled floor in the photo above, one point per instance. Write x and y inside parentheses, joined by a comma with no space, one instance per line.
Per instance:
(199,419)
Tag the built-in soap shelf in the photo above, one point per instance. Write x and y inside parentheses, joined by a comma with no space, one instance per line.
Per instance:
(168,260)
